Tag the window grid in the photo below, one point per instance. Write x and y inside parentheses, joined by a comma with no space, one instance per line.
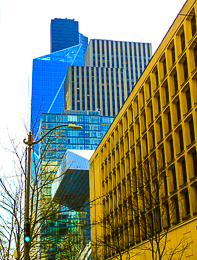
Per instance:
(171,120)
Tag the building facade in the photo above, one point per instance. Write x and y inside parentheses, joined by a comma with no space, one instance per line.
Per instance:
(65,34)
(64,237)
(71,190)
(94,127)
(75,219)
(54,146)
(111,70)
(144,172)
(133,56)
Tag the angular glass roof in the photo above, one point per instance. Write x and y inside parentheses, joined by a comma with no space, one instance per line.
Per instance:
(66,55)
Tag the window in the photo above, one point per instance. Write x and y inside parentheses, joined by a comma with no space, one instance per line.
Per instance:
(157,77)
(195,56)
(154,165)
(129,186)
(173,54)
(139,153)
(182,41)
(157,215)
(166,215)
(186,204)
(152,138)
(137,107)
(191,128)
(178,110)
(121,149)
(135,205)
(163,157)
(169,121)
(184,172)
(143,122)
(175,210)
(126,143)
(155,192)
(166,94)
(150,113)
(150,227)
(142,99)
(141,202)
(175,82)
(171,149)
(137,231)
(145,146)
(126,236)
(161,130)
(164,67)
(174,179)
(193,25)
(143,227)
(131,234)
(149,87)
(181,144)
(185,69)
(158,103)
(137,130)
(148,197)
(165,185)
(131,137)
(188,98)
(140,177)
(194,159)
(146,171)
(134,182)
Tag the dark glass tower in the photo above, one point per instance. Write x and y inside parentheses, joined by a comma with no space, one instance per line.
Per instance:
(65,33)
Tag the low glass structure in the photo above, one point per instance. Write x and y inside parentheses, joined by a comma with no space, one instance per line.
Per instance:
(94,127)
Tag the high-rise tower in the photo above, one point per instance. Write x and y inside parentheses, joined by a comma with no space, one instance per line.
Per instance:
(111,70)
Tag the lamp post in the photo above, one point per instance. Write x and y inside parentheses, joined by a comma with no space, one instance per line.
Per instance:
(30,143)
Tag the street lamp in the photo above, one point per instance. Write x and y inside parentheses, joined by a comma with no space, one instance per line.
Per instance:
(30,143)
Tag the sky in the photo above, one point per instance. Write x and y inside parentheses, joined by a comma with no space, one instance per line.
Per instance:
(25,35)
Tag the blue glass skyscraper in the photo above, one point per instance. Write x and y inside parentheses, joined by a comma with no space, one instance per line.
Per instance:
(48,76)
(68,47)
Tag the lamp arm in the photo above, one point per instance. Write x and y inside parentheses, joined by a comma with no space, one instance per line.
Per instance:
(30,141)
(42,137)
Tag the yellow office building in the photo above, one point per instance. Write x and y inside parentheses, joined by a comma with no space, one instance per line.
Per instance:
(143,175)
